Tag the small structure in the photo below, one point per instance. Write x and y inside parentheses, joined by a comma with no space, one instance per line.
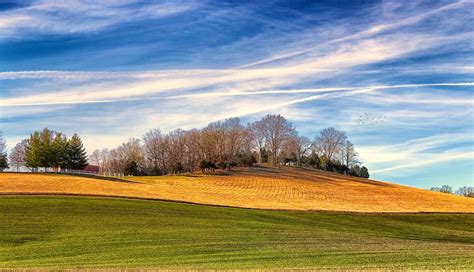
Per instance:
(93,169)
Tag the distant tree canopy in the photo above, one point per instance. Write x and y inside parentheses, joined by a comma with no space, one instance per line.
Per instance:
(17,154)
(223,144)
(466,191)
(229,143)
(3,153)
(48,148)
(443,189)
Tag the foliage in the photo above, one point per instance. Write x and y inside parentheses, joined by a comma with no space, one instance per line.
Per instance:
(222,165)
(3,161)
(33,150)
(465,191)
(47,148)
(364,172)
(131,169)
(225,144)
(207,166)
(76,153)
(178,168)
(443,189)
(3,153)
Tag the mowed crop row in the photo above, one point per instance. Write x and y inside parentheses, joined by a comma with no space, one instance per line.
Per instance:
(263,188)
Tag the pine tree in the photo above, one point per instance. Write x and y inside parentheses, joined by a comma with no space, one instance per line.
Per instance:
(3,161)
(364,172)
(77,157)
(45,154)
(3,153)
(59,151)
(33,150)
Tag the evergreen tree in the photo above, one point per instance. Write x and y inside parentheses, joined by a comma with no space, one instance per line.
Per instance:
(3,153)
(364,172)
(3,161)
(77,157)
(59,156)
(33,151)
(131,169)
(45,154)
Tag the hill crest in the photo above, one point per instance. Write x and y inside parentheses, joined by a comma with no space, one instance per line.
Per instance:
(257,187)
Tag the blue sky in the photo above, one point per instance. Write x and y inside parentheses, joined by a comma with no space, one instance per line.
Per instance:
(397,76)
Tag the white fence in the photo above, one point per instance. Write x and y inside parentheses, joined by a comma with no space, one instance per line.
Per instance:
(82,172)
(63,171)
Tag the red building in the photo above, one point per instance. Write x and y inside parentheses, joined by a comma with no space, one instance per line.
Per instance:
(91,169)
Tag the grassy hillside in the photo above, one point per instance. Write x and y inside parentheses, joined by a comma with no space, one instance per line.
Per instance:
(74,232)
(266,188)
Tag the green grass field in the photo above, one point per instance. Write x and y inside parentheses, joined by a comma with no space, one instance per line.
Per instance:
(86,232)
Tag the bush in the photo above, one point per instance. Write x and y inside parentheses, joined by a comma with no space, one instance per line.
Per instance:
(131,169)
(178,168)
(222,165)
(364,172)
(155,171)
(3,161)
(206,166)
(246,160)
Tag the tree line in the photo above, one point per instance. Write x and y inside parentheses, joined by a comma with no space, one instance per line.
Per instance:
(462,191)
(229,143)
(219,145)
(49,149)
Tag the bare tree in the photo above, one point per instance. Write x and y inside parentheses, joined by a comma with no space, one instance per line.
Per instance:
(213,141)
(257,133)
(234,132)
(193,152)
(3,144)
(17,155)
(104,158)
(94,158)
(466,191)
(153,146)
(302,147)
(127,153)
(175,149)
(330,141)
(226,143)
(277,130)
(348,154)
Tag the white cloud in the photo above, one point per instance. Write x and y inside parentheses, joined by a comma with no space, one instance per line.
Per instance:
(427,159)
(289,74)
(417,152)
(81,16)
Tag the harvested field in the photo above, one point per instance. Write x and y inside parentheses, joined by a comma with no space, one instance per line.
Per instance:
(262,188)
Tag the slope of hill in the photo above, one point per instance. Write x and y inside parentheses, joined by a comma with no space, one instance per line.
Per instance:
(57,232)
(263,188)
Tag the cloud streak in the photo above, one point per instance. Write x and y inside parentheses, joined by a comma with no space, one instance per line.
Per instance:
(341,91)
(132,66)
(76,16)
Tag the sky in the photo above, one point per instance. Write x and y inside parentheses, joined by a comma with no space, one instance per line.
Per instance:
(397,76)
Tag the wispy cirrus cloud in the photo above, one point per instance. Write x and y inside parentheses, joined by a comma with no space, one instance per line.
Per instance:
(337,92)
(361,53)
(415,153)
(132,66)
(78,16)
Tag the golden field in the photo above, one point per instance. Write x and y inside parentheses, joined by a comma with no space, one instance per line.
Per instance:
(262,188)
